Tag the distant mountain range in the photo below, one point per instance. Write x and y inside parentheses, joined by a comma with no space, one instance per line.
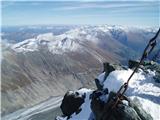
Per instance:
(48,64)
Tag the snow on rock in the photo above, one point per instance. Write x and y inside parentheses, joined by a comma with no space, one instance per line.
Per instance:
(141,87)
(140,84)
(86,110)
(119,77)
(26,46)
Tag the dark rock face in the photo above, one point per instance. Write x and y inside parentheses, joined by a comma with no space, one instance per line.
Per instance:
(131,111)
(71,103)
(132,63)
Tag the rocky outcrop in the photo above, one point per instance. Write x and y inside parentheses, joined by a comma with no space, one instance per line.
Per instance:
(71,103)
(102,103)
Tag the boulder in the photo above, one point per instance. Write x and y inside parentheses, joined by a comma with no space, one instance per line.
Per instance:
(71,103)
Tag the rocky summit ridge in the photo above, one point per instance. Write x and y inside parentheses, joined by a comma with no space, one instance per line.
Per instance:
(141,101)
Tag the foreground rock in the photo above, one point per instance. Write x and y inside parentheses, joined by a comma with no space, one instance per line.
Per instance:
(71,103)
(100,107)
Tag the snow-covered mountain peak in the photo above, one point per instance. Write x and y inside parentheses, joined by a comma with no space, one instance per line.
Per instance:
(70,40)
(55,44)
(63,45)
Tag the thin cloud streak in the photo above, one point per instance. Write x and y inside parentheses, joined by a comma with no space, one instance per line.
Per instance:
(110,5)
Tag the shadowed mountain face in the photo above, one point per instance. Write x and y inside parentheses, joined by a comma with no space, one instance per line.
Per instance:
(49,65)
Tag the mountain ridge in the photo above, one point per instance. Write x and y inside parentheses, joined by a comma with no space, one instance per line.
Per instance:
(47,61)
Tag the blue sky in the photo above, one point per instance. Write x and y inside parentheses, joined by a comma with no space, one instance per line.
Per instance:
(122,12)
